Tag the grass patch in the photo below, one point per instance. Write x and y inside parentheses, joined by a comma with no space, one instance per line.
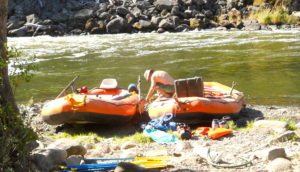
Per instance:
(82,138)
(276,15)
(232,125)
(137,137)
(291,124)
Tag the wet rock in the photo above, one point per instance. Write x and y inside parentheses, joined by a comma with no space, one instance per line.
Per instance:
(117,25)
(279,165)
(271,153)
(130,18)
(277,126)
(47,159)
(70,146)
(90,23)
(100,28)
(182,27)
(160,30)
(156,20)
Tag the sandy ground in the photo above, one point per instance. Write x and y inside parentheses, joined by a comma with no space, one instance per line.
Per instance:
(240,144)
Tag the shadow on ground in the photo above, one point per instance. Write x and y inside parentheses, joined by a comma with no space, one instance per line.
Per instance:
(246,114)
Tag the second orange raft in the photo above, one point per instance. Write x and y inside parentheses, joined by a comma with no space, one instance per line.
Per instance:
(216,101)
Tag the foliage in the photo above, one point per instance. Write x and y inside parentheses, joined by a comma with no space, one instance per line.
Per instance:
(232,125)
(16,137)
(21,70)
(273,16)
(277,14)
(15,140)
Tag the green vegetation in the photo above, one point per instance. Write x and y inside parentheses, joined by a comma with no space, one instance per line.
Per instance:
(232,125)
(137,137)
(15,136)
(273,16)
(291,124)
(22,68)
(278,14)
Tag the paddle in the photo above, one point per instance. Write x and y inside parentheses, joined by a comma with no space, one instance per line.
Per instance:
(68,86)
(147,162)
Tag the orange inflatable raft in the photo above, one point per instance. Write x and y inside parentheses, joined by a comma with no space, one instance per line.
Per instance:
(104,106)
(206,101)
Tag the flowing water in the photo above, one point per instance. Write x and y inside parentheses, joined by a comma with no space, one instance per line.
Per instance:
(265,64)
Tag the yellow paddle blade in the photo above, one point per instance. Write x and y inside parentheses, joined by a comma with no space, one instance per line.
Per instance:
(153,158)
(151,164)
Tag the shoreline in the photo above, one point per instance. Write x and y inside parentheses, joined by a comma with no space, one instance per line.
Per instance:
(247,141)
(59,18)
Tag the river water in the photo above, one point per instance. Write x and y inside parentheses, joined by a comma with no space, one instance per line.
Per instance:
(264,64)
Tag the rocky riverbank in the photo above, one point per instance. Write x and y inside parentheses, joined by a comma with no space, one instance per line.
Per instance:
(271,143)
(76,17)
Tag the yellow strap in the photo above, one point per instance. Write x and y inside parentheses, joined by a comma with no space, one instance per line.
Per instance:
(77,100)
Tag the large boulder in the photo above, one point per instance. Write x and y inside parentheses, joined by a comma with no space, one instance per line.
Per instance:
(117,25)
(84,14)
(48,159)
(279,165)
(271,153)
(143,25)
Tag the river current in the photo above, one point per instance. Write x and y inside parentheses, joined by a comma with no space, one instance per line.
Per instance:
(264,64)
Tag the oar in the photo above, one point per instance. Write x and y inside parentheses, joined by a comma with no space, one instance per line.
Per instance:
(131,158)
(140,94)
(68,86)
(89,166)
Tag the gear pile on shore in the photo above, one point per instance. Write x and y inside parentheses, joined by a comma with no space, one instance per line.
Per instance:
(65,17)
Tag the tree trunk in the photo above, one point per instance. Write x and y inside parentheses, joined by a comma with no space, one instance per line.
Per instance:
(6,93)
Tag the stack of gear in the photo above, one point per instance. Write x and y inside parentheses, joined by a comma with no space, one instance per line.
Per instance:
(156,129)
(218,129)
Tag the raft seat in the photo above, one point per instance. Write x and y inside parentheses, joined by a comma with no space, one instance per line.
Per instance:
(189,87)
